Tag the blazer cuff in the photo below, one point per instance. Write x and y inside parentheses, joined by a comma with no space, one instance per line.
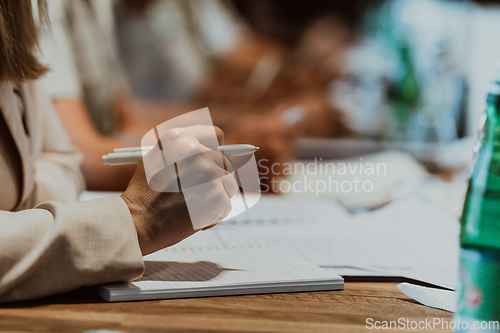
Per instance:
(102,239)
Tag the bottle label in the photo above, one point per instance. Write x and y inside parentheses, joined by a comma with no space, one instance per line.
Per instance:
(479,290)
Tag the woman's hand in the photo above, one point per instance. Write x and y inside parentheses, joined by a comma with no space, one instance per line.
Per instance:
(165,218)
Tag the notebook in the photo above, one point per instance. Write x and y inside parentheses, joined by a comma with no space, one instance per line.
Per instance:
(409,239)
(182,272)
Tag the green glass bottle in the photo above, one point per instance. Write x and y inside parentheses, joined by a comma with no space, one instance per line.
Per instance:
(479,275)
(481,215)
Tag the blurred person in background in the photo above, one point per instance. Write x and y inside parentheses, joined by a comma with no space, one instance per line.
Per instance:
(84,85)
(219,53)
(90,94)
(247,78)
(248,60)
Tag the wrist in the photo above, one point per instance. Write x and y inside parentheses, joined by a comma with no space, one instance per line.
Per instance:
(138,218)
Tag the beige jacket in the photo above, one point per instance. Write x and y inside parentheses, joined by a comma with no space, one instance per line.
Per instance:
(55,246)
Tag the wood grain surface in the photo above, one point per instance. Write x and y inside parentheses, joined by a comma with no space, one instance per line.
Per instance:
(332,311)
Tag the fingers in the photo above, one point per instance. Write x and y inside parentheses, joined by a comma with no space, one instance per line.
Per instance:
(221,160)
(226,204)
(230,185)
(226,210)
(209,136)
(204,174)
(220,135)
(207,204)
(205,167)
(196,163)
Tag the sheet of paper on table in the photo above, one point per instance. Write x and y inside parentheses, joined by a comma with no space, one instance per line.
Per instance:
(435,298)
(408,238)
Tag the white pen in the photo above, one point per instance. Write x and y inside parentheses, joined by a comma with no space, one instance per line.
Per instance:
(134,154)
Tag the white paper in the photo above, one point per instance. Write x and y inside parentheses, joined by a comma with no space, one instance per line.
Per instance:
(408,238)
(212,271)
(435,298)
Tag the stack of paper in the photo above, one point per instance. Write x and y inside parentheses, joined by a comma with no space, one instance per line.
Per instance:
(216,271)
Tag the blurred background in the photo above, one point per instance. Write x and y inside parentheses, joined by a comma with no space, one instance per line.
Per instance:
(313,80)
(405,74)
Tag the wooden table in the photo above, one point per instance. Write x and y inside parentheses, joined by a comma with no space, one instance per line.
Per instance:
(333,311)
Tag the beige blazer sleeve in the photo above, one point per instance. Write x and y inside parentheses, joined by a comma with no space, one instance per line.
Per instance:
(56,247)
(59,247)
(57,165)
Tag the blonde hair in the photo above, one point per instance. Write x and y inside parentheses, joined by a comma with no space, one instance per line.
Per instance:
(19,40)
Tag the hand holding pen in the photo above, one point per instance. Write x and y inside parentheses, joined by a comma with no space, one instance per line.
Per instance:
(178,199)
